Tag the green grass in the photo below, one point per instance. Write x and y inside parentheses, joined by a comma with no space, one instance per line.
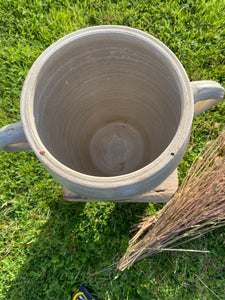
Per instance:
(49,247)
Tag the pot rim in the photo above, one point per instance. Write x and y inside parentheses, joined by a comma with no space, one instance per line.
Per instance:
(167,157)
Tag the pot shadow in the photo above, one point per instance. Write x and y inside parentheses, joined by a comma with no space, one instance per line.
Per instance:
(77,241)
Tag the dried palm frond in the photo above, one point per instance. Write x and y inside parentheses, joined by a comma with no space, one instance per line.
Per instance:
(197,208)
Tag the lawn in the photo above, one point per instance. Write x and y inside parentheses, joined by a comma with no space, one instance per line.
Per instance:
(48,247)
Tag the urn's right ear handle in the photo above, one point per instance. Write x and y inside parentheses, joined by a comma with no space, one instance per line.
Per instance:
(13,139)
(207,94)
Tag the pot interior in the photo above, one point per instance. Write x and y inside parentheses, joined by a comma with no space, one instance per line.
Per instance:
(106,104)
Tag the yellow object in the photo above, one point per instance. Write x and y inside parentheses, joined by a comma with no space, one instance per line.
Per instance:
(76,296)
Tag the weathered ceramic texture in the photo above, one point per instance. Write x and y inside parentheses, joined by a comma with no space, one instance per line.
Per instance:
(108,111)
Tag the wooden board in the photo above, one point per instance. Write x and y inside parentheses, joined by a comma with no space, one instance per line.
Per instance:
(162,193)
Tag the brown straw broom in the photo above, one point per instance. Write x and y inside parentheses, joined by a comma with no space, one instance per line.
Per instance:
(197,208)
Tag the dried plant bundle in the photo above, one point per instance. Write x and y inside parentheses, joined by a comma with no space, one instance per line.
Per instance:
(197,208)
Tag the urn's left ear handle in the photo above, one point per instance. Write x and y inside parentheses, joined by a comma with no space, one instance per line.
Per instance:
(13,139)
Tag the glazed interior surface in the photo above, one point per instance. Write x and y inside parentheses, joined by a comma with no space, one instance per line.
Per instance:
(106,104)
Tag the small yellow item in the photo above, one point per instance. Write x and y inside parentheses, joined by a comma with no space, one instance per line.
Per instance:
(83,294)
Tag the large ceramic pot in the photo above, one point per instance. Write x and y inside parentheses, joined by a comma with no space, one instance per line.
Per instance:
(108,111)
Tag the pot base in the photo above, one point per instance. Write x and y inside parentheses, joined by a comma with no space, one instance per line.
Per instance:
(162,193)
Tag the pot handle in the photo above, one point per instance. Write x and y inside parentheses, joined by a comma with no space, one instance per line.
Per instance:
(207,93)
(13,139)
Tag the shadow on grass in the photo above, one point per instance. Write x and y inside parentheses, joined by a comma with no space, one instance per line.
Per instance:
(81,243)
(77,241)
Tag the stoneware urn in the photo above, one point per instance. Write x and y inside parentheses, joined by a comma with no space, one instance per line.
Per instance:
(108,111)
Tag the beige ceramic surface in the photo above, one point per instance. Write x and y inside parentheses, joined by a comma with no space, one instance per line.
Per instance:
(108,111)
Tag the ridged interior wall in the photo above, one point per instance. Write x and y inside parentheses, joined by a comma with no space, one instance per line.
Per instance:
(98,80)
